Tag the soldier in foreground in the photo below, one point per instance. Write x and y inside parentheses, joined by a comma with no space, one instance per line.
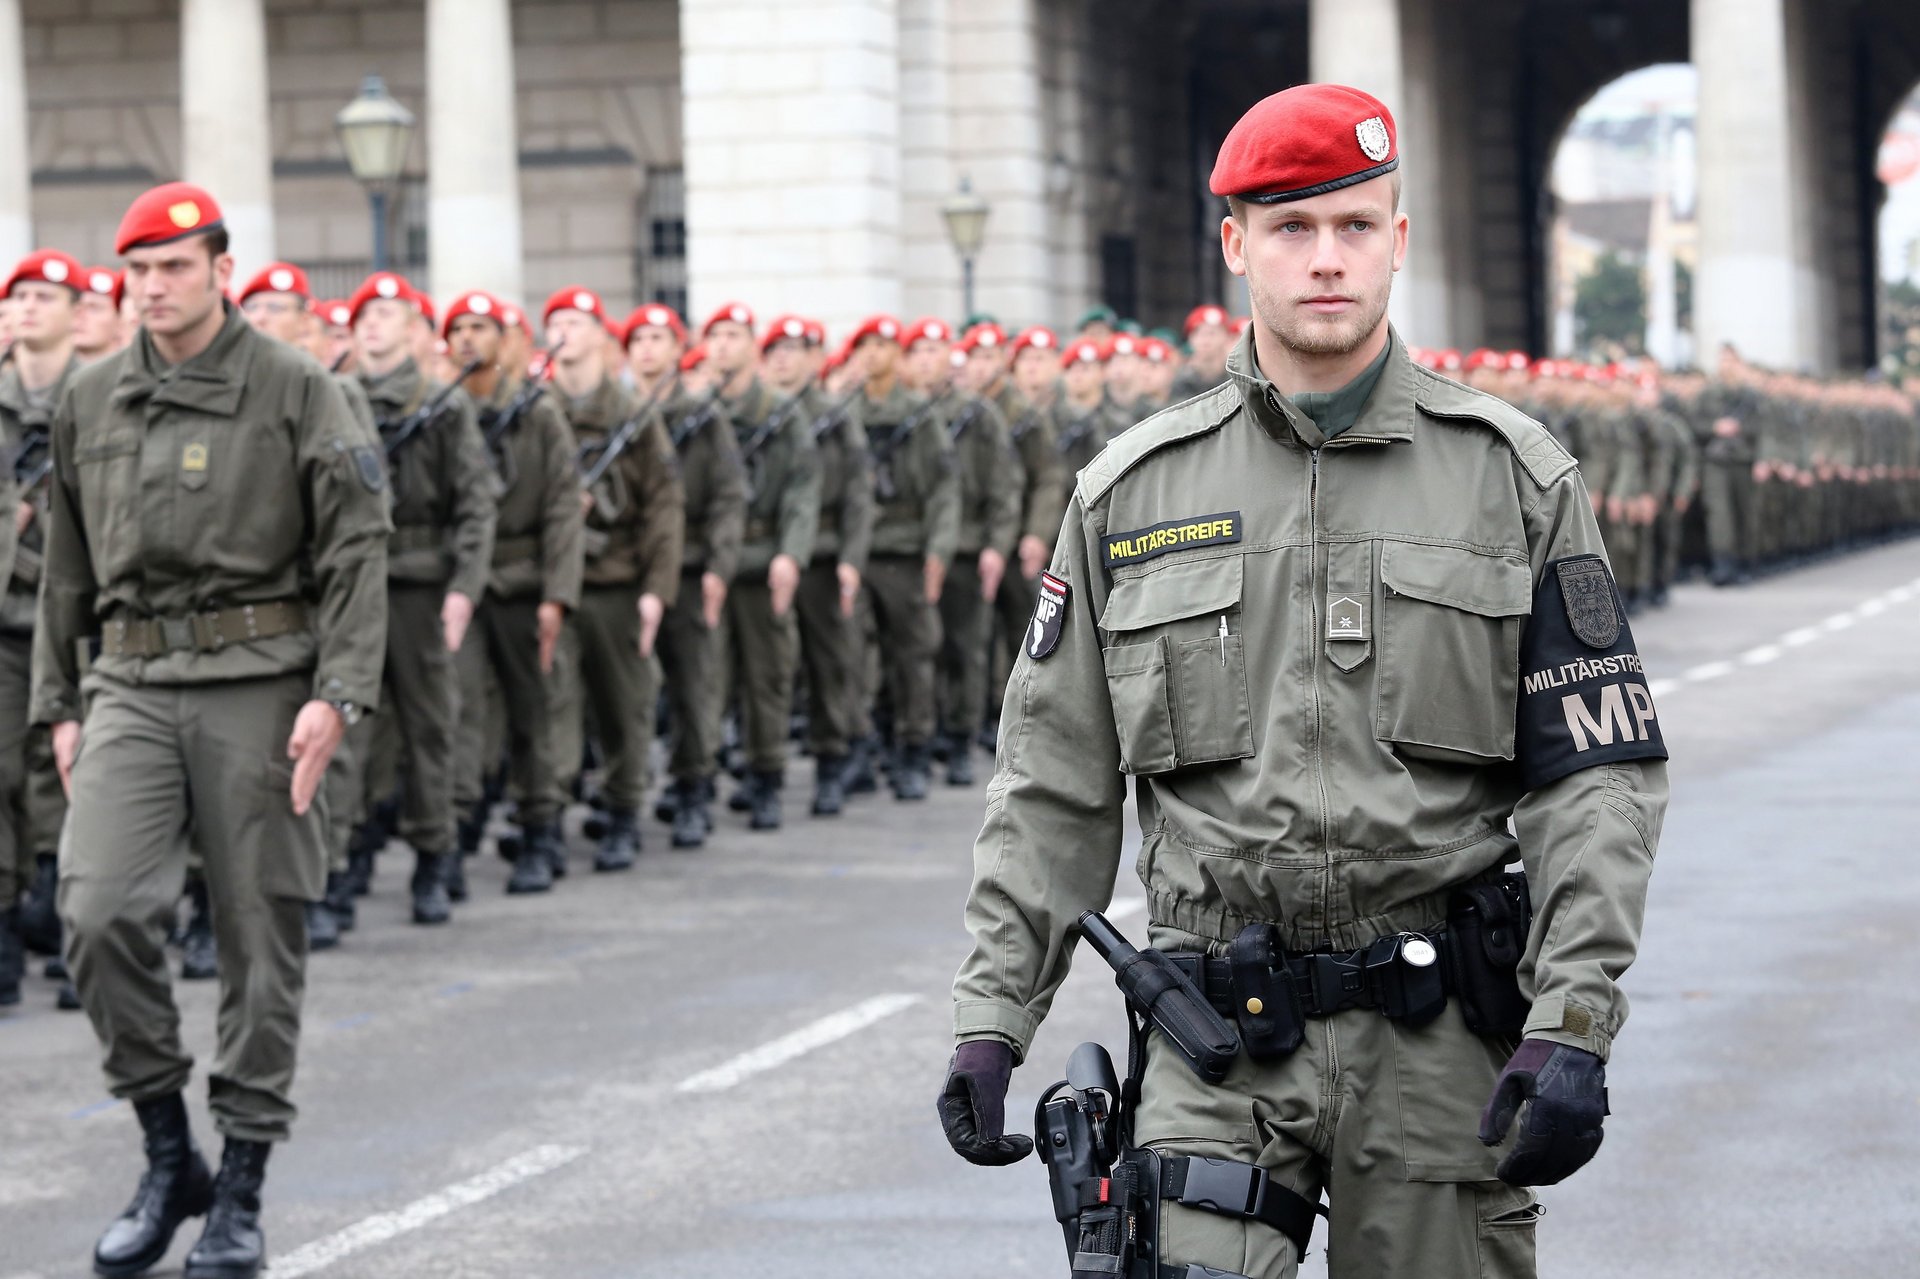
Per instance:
(1340,620)
(239,596)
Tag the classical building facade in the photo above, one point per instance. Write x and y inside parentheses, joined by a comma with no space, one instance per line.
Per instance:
(796,153)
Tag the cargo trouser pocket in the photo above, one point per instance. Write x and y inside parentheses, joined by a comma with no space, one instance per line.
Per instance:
(1177,675)
(1508,1216)
(1444,1075)
(1450,651)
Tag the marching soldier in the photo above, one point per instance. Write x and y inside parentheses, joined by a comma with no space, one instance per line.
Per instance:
(1085,417)
(1729,470)
(1209,335)
(222,535)
(97,330)
(46,303)
(635,527)
(533,584)
(691,651)
(915,531)
(437,565)
(761,636)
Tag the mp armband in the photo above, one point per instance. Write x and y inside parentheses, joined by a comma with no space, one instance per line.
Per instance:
(1584,698)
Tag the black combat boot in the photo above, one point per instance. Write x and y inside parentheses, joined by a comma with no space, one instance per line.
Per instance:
(39,917)
(431,905)
(68,998)
(13,956)
(909,779)
(766,800)
(960,763)
(691,821)
(829,785)
(621,844)
(199,953)
(367,839)
(667,807)
(533,865)
(472,829)
(232,1246)
(339,900)
(857,777)
(741,801)
(175,1186)
(457,876)
(323,927)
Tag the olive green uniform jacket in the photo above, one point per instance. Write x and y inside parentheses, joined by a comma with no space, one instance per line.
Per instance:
(1043,500)
(783,477)
(715,487)
(1346,753)
(845,533)
(916,491)
(537,533)
(21,421)
(637,526)
(991,477)
(239,476)
(443,490)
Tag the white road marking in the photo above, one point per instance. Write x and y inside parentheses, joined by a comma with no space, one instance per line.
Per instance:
(1900,594)
(802,1041)
(1762,655)
(1873,607)
(1805,635)
(1661,687)
(1710,670)
(382,1227)
(1838,622)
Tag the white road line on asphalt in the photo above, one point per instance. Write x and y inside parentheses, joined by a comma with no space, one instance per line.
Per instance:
(1762,655)
(382,1227)
(1661,687)
(1838,622)
(802,1041)
(1805,635)
(1710,670)
(1900,594)
(1873,607)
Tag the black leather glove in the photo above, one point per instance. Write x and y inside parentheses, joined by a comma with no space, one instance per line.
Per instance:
(1565,1092)
(973,1105)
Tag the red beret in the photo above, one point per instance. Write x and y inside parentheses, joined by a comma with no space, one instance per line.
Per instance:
(574,298)
(1239,324)
(876,326)
(513,317)
(926,329)
(1306,141)
(473,302)
(172,211)
(784,326)
(278,277)
(816,333)
(1517,362)
(696,356)
(1084,351)
(334,312)
(1207,314)
(1119,344)
(379,285)
(1156,351)
(105,281)
(1483,358)
(835,359)
(990,336)
(47,266)
(654,315)
(737,312)
(1037,337)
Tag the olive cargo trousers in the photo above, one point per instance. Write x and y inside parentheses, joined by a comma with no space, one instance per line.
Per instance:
(761,653)
(505,638)
(830,647)
(162,768)
(690,657)
(908,642)
(599,665)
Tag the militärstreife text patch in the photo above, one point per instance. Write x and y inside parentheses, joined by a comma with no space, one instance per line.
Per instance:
(1175,535)
(1049,615)
(1582,702)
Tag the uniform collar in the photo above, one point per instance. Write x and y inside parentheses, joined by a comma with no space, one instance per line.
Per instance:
(14,397)
(211,381)
(602,408)
(1386,418)
(395,388)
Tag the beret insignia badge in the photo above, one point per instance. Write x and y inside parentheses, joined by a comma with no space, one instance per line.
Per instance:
(184,215)
(1374,142)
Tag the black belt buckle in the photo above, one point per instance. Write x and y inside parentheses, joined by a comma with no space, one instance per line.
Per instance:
(1339,982)
(1265,1003)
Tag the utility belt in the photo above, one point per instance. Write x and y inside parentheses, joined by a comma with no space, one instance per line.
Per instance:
(1473,957)
(515,550)
(418,537)
(207,632)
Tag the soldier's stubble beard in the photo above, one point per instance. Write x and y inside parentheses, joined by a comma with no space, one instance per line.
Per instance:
(1305,333)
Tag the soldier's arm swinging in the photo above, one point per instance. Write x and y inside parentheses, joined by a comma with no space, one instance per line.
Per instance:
(65,614)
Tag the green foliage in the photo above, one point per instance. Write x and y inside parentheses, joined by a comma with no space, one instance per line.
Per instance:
(1610,305)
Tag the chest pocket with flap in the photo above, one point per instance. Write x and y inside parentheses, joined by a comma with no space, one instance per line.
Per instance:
(1449,630)
(1179,691)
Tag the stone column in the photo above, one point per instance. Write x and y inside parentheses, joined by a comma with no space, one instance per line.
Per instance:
(1000,146)
(1362,43)
(1747,289)
(931,284)
(16,162)
(227,134)
(792,132)
(473,161)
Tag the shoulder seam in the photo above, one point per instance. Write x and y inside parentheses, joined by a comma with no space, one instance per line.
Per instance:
(1541,456)
(1142,441)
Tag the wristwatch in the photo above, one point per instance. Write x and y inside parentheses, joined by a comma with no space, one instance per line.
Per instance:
(349,713)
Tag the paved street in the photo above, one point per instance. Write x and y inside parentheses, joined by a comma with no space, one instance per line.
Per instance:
(592,1083)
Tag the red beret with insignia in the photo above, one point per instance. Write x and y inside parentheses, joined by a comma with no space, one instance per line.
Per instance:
(172,211)
(378,286)
(927,329)
(696,356)
(334,312)
(1483,358)
(736,312)
(990,336)
(574,298)
(783,326)
(513,317)
(47,266)
(876,326)
(1517,362)
(1085,351)
(105,281)
(279,277)
(1156,351)
(1119,344)
(816,333)
(1038,337)
(656,315)
(1200,315)
(1306,141)
(473,302)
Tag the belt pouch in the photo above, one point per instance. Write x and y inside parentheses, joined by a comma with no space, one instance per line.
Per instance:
(1264,1000)
(1487,930)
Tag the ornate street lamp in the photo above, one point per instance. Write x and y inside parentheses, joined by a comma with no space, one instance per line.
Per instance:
(375,131)
(966,215)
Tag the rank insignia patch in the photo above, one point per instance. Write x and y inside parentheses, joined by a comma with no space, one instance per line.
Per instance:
(1586,588)
(1346,617)
(1049,615)
(372,471)
(1175,535)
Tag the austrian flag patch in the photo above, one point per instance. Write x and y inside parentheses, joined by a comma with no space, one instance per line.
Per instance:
(1049,616)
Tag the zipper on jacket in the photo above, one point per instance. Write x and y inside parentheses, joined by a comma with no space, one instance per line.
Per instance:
(1325,922)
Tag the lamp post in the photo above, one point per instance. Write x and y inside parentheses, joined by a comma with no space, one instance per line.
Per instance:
(966,216)
(375,130)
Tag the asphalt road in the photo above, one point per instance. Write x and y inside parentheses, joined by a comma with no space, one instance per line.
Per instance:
(724,1063)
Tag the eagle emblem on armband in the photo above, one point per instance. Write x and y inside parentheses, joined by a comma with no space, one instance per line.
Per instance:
(1587,590)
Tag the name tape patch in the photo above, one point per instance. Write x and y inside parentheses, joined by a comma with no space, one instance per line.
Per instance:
(1174,535)
(1049,615)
